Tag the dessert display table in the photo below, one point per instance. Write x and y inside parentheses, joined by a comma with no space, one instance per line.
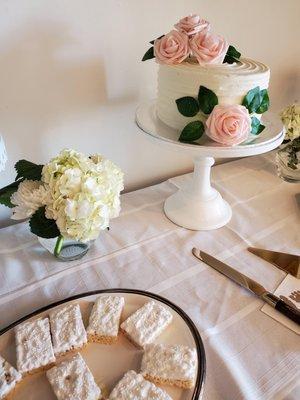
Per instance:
(250,356)
(197,205)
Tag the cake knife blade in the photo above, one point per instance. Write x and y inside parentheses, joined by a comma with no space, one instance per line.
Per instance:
(289,263)
(249,284)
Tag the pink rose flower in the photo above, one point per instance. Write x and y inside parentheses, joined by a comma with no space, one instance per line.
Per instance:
(228,124)
(172,48)
(192,24)
(208,48)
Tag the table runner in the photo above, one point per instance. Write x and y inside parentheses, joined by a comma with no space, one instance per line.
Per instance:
(249,355)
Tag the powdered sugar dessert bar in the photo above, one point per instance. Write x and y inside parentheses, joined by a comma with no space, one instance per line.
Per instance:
(9,377)
(67,329)
(105,319)
(146,323)
(170,365)
(72,380)
(33,345)
(134,387)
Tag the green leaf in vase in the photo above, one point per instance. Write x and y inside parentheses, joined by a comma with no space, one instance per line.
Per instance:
(187,106)
(7,192)
(28,170)
(207,99)
(42,226)
(192,131)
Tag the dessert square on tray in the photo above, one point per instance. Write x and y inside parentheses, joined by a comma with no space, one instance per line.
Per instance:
(173,365)
(67,329)
(72,379)
(9,377)
(133,386)
(147,323)
(33,346)
(105,319)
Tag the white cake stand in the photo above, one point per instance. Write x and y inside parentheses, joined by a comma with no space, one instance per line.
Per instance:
(197,205)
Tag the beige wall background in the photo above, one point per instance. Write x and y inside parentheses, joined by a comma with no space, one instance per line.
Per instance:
(71,76)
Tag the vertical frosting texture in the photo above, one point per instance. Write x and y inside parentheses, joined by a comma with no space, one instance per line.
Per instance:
(230,82)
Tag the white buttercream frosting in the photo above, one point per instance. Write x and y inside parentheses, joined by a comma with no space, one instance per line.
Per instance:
(9,377)
(230,82)
(67,328)
(147,323)
(105,316)
(72,380)
(134,387)
(174,362)
(33,345)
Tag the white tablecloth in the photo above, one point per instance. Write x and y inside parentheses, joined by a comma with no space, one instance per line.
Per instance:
(249,355)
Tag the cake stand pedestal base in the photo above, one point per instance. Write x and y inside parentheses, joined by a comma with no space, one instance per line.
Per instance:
(197,205)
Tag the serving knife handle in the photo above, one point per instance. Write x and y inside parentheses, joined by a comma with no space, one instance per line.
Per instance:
(290,312)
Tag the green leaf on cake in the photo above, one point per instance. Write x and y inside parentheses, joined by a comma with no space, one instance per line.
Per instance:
(28,170)
(191,132)
(42,226)
(7,192)
(252,100)
(232,55)
(256,100)
(256,126)
(149,54)
(207,99)
(152,41)
(187,106)
(264,102)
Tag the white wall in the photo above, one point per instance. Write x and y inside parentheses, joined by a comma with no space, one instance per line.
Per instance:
(71,76)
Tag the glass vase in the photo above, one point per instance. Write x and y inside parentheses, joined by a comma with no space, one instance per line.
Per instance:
(65,249)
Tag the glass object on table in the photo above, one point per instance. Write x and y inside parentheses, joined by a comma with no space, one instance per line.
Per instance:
(65,249)
(288,161)
(3,156)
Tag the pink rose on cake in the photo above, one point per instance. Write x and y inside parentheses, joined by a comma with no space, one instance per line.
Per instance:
(229,124)
(208,48)
(192,24)
(173,48)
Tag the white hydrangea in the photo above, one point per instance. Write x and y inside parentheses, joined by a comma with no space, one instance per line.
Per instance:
(290,117)
(30,196)
(85,193)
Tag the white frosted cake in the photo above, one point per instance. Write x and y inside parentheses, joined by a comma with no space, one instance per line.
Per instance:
(134,387)
(147,323)
(33,346)
(230,82)
(67,329)
(205,87)
(72,380)
(9,377)
(104,320)
(174,365)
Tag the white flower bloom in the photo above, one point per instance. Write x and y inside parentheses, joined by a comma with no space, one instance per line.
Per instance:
(85,193)
(30,196)
(290,117)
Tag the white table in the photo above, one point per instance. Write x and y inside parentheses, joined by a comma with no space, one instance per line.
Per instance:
(249,355)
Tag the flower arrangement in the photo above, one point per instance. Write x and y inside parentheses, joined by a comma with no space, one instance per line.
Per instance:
(290,153)
(73,196)
(192,39)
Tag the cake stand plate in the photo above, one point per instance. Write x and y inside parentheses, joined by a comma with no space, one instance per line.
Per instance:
(197,205)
